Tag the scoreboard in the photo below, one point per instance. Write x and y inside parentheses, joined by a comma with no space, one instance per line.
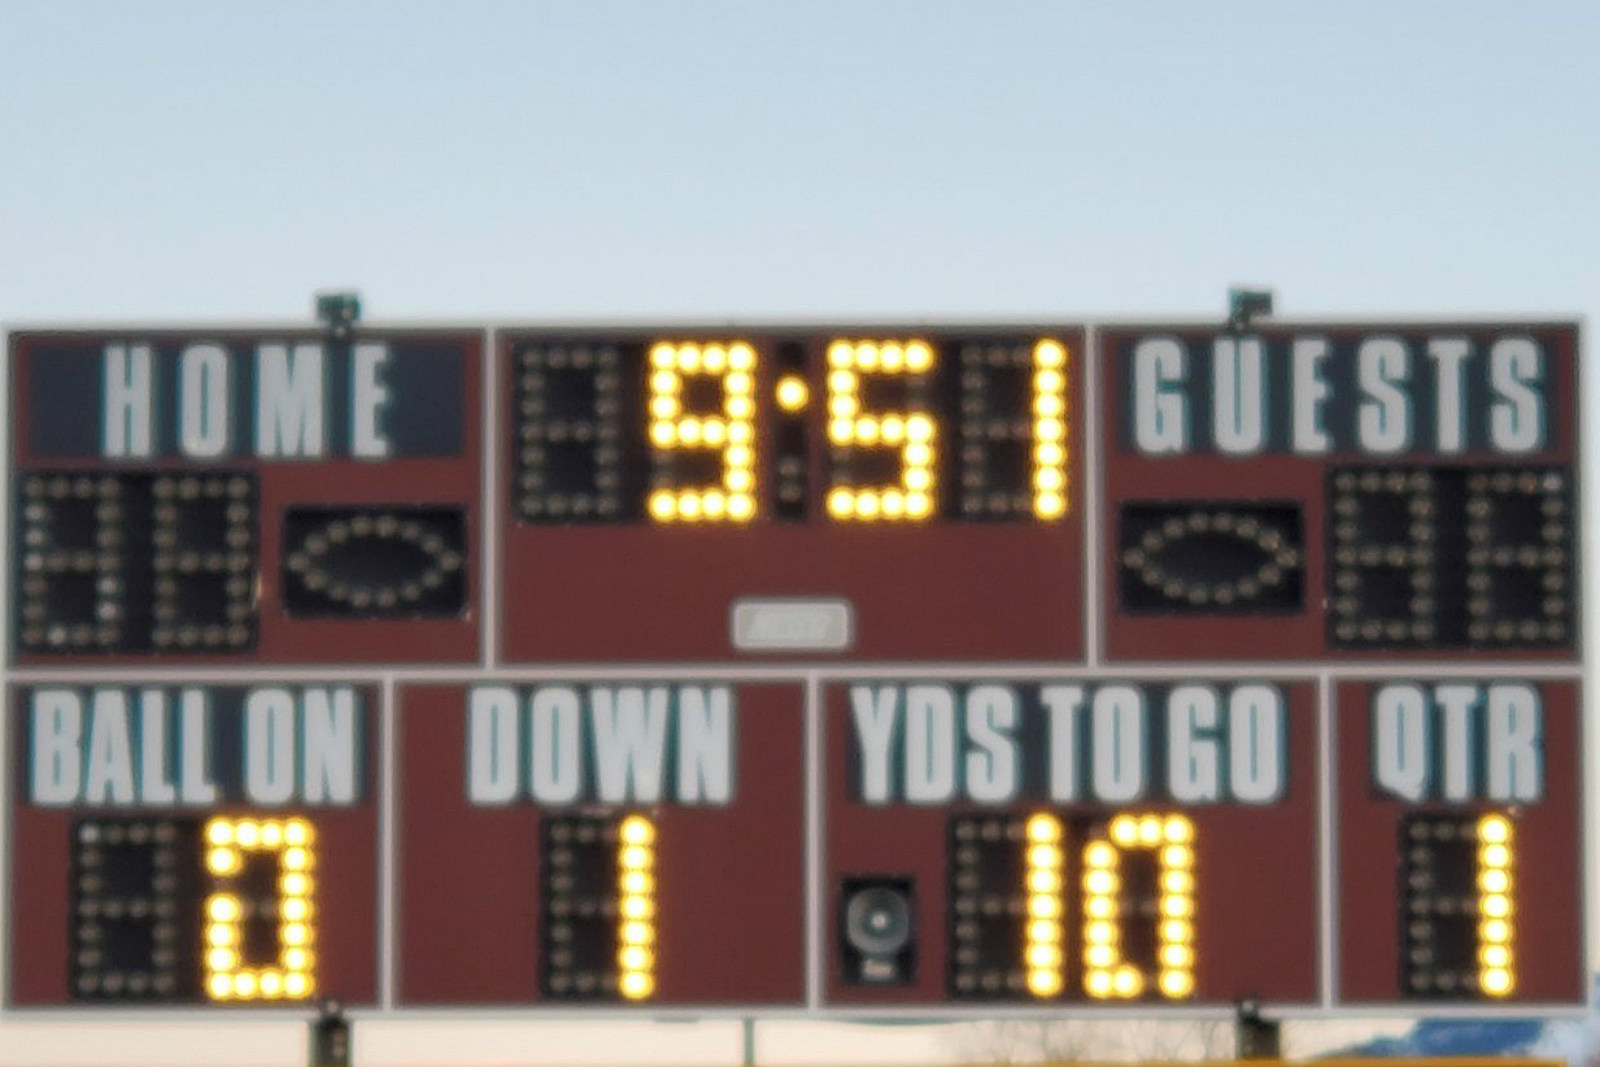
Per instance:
(887,670)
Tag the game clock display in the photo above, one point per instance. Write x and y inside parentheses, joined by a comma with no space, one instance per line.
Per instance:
(887,670)
(750,469)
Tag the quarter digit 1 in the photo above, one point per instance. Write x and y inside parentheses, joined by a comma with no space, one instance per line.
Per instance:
(230,909)
(1495,929)
(850,428)
(730,430)
(1458,914)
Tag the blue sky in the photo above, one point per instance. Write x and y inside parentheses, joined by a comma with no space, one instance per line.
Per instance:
(739,160)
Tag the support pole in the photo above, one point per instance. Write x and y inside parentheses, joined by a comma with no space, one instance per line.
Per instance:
(1255,1038)
(330,1036)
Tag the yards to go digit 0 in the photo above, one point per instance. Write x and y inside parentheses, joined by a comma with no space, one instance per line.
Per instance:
(1137,925)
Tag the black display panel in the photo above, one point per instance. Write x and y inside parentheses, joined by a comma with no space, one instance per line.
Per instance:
(1397,538)
(375,562)
(126,562)
(959,428)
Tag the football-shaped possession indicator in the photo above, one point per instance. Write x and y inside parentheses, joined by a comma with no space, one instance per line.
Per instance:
(1211,557)
(380,562)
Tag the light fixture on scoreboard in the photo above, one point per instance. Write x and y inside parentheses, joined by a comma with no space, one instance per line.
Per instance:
(715,430)
(598,907)
(175,909)
(1458,914)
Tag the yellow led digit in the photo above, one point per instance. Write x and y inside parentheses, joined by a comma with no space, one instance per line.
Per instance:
(228,975)
(914,433)
(1496,976)
(1051,490)
(1107,973)
(1042,951)
(636,907)
(729,430)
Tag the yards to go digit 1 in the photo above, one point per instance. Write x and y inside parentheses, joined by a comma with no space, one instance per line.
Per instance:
(685,419)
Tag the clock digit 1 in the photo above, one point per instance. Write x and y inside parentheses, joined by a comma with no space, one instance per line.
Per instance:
(729,429)
(853,430)
(1116,891)
(1051,492)
(238,913)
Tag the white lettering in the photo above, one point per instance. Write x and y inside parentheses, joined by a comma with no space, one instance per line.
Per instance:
(1383,422)
(269,746)
(1400,757)
(1310,392)
(930,744)
(992,770)
(705,744)
(1515,736)
(289,401)
(1256,773)
(1515,371)
(126,401)
(556,745)
(1160,417)
(55,734)
(491,746)
(194,775)
(109,774)
(1455,704)
(630,731)
(1193,775)
(874,711)
(1238,395)
(203,401)
(1449,353)
(154,785)
(1065,703)
(368,398)
(330,756)
(1119,773)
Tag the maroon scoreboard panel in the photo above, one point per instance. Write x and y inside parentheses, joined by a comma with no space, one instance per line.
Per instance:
(886,670)
(238,498)
(1364,493)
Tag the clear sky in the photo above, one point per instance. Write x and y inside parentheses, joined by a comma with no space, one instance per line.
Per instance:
(739,160)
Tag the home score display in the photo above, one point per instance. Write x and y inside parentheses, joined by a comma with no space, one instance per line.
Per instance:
(887,670)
